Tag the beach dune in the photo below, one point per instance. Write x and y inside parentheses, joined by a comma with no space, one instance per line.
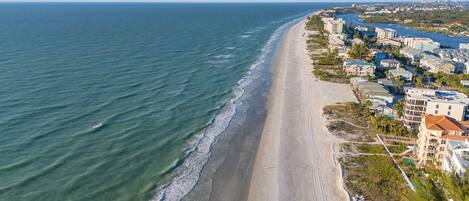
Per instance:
(295,159)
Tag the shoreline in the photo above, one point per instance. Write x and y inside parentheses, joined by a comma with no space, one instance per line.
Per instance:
(227,174)
(295,159)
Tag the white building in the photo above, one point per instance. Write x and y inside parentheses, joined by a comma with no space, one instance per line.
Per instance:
(360,28)
(413,54)
(390,63)
(334,26)
(335,41)
(385,33)
(464,46)
(456,157)
(422,44)
(419,101)
(357,67)
(400,73)
(435,65)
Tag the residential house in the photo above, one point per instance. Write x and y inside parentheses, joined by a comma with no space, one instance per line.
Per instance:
(357,67)
(376,93)
(401,73)
(411,53)
(335,41)
(435,64)
(390,63)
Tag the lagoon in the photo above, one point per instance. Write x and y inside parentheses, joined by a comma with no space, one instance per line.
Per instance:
(444,40)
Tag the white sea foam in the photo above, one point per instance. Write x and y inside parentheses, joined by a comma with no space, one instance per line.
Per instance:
(220,59)
(97,126)
(202,143)
(245,36)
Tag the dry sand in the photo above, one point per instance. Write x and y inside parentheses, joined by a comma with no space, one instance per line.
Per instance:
(295,160)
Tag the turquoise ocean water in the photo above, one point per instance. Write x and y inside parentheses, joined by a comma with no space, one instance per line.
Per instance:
(110,101)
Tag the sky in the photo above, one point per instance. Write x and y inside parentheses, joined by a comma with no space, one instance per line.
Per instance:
(178,1)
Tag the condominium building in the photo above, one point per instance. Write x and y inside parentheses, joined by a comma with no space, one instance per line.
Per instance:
(435,132)
(422,44)
(385,33)
(357,67)
(334,26)
(436,65)
(419,101)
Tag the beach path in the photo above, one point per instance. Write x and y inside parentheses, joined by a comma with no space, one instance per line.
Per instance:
(295,160)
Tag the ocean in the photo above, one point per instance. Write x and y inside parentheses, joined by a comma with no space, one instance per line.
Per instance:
(127,101)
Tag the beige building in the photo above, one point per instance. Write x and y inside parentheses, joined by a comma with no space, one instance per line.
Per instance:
(334,26)
(436,65)
(387,41)
(420,101)
(422,44)
(385,33)
(356,67)
(435,132)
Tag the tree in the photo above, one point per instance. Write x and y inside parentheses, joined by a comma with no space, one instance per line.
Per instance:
(356,35)
(358,51)
(418,82)
(399,107)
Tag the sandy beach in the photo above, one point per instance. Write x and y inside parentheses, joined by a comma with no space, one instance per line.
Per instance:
(295,159)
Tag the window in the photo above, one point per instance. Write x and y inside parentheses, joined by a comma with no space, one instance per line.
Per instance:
(436,111)
(449,107)
(443,141)
(437,106)
(449,113)
(442,148)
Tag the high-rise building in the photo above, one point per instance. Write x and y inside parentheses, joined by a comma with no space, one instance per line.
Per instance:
(385,33)
(419,101)
(435,133)
(334,26)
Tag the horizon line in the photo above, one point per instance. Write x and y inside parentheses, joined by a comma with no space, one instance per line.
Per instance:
(202,1)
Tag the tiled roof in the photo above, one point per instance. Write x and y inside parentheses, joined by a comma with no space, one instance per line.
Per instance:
(455,137)
(443,123)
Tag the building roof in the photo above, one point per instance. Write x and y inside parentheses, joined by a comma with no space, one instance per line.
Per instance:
(394,61)
(441,96)
(442,123)
(410,51)
(401,72)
